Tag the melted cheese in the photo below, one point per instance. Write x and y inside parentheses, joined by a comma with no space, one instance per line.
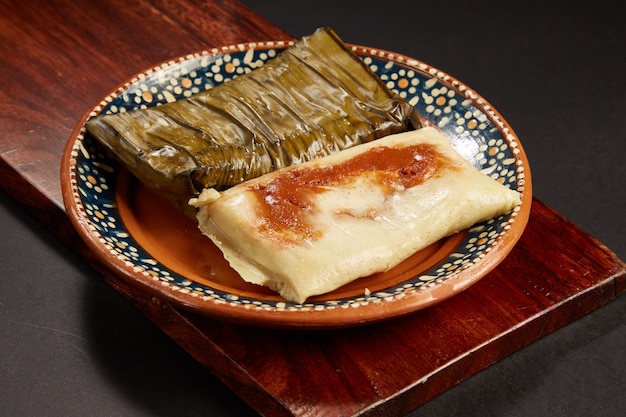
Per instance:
(311,228)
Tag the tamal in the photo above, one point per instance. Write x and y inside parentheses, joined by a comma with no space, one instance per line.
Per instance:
(314,99)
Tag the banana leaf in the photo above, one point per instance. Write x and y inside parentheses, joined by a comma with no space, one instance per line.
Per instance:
(314,99)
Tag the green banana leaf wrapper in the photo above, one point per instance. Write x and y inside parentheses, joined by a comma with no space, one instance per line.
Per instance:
(314,99)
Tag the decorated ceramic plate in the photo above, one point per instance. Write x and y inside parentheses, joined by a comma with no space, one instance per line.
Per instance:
(162,252)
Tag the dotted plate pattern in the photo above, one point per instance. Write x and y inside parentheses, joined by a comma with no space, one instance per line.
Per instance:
(474,129)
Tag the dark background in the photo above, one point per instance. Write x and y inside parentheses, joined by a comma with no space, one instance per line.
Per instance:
(555,71)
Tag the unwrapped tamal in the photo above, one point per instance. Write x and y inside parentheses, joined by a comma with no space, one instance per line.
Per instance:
(307,230)
(314,99)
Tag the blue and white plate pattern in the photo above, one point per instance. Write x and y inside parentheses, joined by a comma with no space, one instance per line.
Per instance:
(474,128)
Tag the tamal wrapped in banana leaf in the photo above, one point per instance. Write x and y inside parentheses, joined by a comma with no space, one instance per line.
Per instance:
(314,99)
